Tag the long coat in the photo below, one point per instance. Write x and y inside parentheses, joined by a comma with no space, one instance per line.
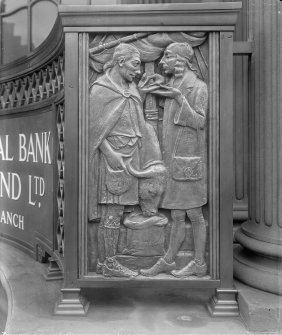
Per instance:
(184,141)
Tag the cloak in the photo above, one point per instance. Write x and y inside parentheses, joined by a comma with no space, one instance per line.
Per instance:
(107,104)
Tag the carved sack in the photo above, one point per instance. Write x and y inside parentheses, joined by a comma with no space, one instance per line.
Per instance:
(187,168)
(118,182)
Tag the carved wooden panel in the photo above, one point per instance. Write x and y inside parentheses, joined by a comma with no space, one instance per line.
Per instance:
(136,125)
(163,228)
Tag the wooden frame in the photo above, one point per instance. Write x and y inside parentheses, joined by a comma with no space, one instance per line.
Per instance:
(218,19)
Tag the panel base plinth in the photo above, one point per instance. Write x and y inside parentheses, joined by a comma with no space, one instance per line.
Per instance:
(224,303)
(71,303)
(53,271)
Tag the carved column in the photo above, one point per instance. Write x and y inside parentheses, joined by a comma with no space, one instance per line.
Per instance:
(258,259)
(151,110)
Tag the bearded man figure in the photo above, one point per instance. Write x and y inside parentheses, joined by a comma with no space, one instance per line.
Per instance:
(120,142)
(184,154)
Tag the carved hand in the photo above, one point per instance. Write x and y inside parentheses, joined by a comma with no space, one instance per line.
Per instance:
(114,159)
(169,92)
(149,83)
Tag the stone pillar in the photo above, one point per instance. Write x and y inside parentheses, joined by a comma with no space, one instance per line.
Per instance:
(258,260)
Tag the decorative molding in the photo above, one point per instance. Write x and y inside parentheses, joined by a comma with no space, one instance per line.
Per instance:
(34,108)
(174,15)
(214,152)
(35,87)
(226,161)
(61,181)
(83,148)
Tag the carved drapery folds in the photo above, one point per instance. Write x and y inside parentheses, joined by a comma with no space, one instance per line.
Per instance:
(150,46)
(35,87)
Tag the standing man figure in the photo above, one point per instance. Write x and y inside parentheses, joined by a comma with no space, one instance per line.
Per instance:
(118,135)
(184,155)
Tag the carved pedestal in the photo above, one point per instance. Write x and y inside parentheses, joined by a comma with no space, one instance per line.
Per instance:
(258,261)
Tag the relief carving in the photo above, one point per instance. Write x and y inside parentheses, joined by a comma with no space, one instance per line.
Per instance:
(147,172)
(121,141)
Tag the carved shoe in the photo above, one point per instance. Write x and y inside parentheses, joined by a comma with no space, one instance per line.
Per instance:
(159,267)
(191,269)
(112,268)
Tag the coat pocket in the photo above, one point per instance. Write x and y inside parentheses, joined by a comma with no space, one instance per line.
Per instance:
(187,168)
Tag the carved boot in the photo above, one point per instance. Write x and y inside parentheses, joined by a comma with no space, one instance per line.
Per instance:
(112,268)
(159,267)
(191,269)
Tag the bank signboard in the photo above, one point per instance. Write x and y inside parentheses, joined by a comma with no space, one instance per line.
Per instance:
(26,177)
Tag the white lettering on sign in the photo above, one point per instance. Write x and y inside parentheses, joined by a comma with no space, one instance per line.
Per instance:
(12,219)
(29,148)
(4,149)
(36,148)
(10,185)
(36,187)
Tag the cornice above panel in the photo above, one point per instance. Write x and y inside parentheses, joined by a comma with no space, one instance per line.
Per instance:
(204,16)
